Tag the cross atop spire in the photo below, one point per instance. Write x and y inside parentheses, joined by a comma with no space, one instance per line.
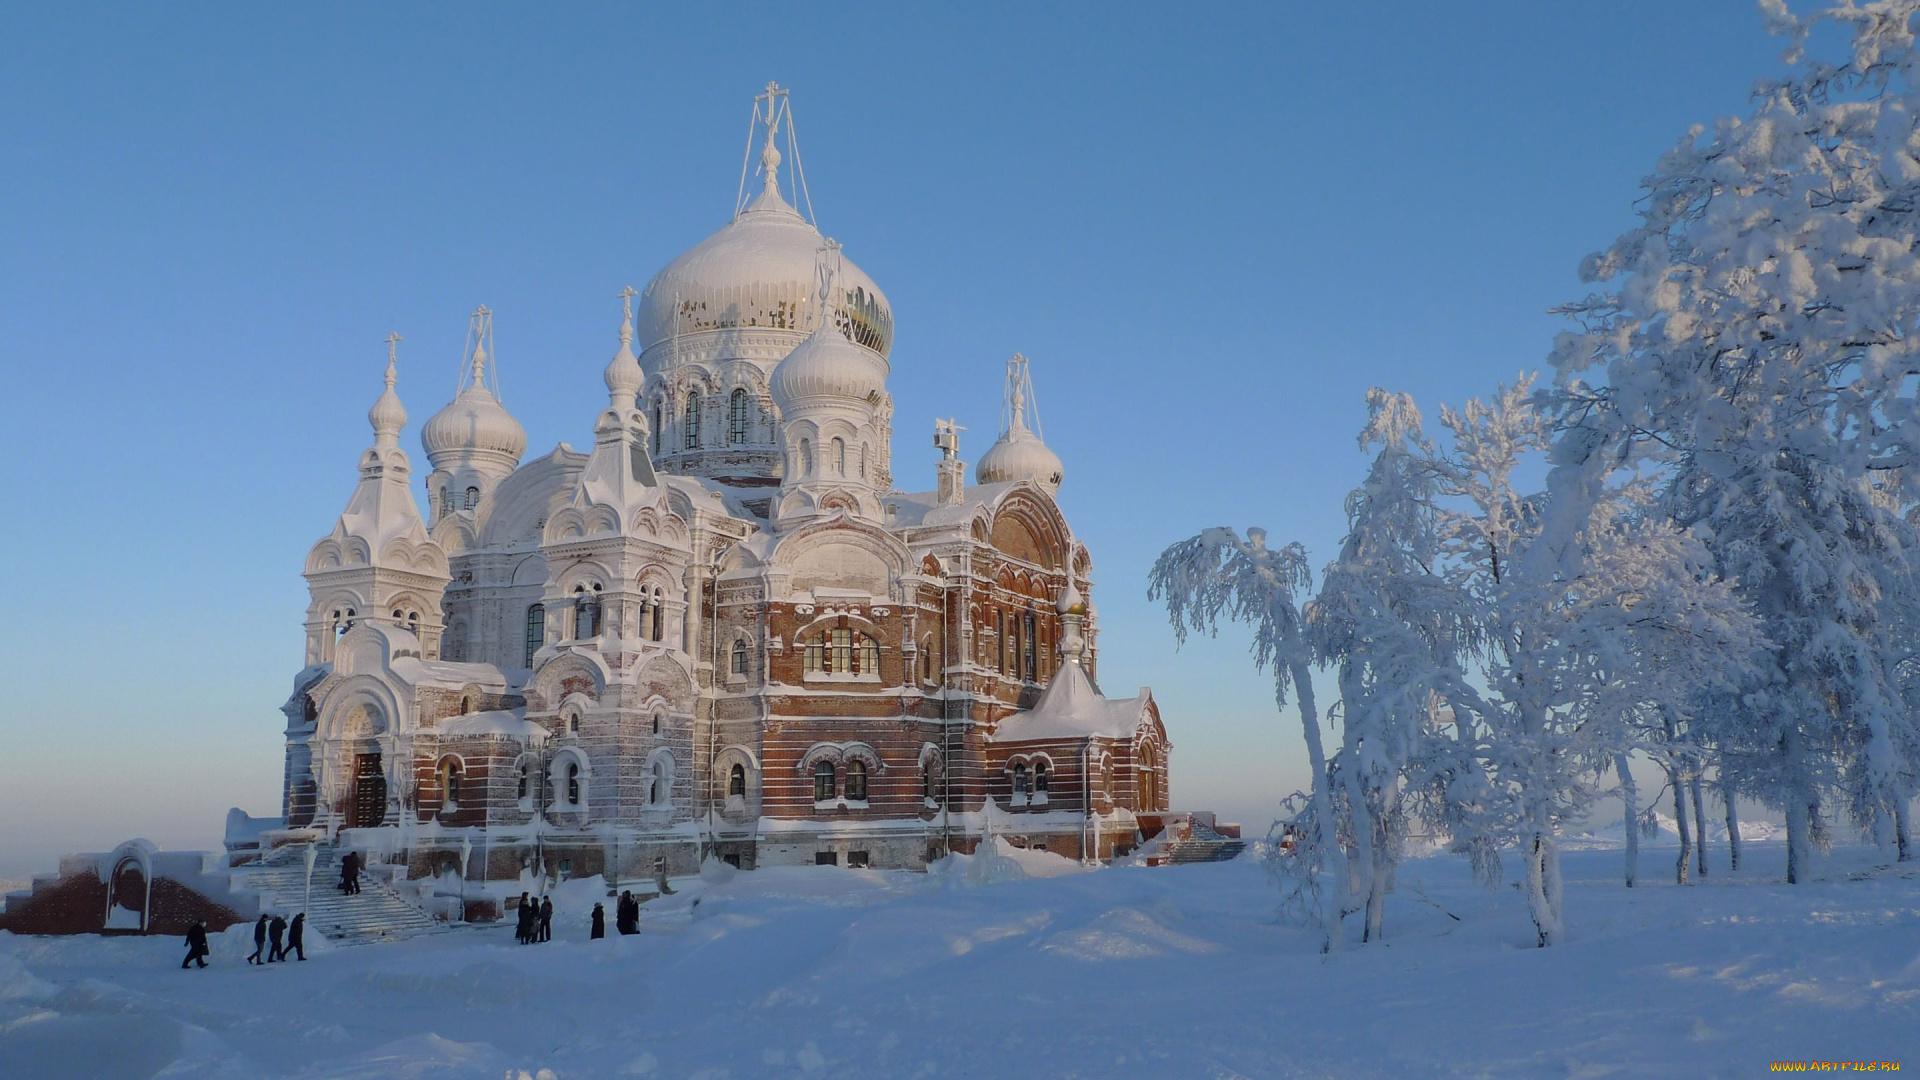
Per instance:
(626,314)
(772,110)
(478,352)
(393,355)
(1019,411)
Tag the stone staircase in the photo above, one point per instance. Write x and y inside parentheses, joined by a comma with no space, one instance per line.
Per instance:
(375,913)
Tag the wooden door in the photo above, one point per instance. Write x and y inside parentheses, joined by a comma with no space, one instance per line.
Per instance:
(369,806)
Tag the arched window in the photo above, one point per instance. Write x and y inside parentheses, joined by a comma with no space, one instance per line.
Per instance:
(840,651)
(1020,782)
(737,781)
(1143,770)
(413,621)
(824,784)
(1042,780)
(524,786)
(926,776)
(450,785)
(806,457)
(737,415)
(863,461)
(739,665)
(657,610)
(656,426)
(586,613)
(692,424)
(446,500)
(657,716)
(856,781)
(536,630)
(573,723)
(573,783)
(660,783)
(466,705)
(999,640)
(926,661)
(473,498)
(839,457)
(1029,672)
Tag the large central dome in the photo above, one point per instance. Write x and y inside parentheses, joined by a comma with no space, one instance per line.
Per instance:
(758,271)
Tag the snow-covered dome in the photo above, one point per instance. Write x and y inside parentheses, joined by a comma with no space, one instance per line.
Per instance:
(826,366)
(473,420)
(1019,455)
(758,271)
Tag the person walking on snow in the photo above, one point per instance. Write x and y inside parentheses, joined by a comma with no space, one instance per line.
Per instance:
(523,927)
(346,873)
(196,945)
(599,922)
(627,914)
(259,940)
(275,931)
(296,937)
(546,919)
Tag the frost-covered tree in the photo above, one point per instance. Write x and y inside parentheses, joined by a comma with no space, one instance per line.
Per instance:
(1490,646)
(1389,626)
(1218,574)
(1758,346)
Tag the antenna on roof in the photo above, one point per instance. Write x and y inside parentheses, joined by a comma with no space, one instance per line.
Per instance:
(771,110)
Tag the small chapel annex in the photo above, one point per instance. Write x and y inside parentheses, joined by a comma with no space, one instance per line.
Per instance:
(721,631)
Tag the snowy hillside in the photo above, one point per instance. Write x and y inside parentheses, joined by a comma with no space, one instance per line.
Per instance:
(1122,972)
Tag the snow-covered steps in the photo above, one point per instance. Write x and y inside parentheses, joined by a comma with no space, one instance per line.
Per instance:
(375,913)
(1203,851)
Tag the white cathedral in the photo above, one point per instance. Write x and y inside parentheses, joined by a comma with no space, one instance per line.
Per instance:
(722,632)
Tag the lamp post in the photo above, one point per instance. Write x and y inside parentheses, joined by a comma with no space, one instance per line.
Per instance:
(311,853)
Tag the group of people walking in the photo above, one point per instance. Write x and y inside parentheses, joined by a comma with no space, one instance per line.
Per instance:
(273,936)
(270,929)
(536,920)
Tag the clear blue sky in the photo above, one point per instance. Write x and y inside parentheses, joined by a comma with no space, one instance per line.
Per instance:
(1211,227)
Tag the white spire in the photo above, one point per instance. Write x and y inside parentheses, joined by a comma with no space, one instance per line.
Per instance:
(623,375)
(772,109)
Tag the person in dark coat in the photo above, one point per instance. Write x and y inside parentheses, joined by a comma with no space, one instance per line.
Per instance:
(599,922)
(523,926)
(546,919)
(626,914)
(259,940)
(351,866)
(275,931)
(197,948)
(347,872)
(296,937)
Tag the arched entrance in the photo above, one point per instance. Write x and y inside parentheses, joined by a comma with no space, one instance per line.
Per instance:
(367,803)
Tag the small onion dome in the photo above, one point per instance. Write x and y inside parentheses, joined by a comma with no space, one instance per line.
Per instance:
(387,415)
(1071,602)
(475,420)
(1019,455)
(828,367)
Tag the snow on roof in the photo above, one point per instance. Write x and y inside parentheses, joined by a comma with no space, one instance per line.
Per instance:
(1072,708)
(922,508)
(496,722)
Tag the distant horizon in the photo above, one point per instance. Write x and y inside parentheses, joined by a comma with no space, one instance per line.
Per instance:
(219,218)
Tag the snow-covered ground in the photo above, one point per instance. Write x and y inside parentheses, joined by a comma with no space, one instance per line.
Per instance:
(1122,972)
